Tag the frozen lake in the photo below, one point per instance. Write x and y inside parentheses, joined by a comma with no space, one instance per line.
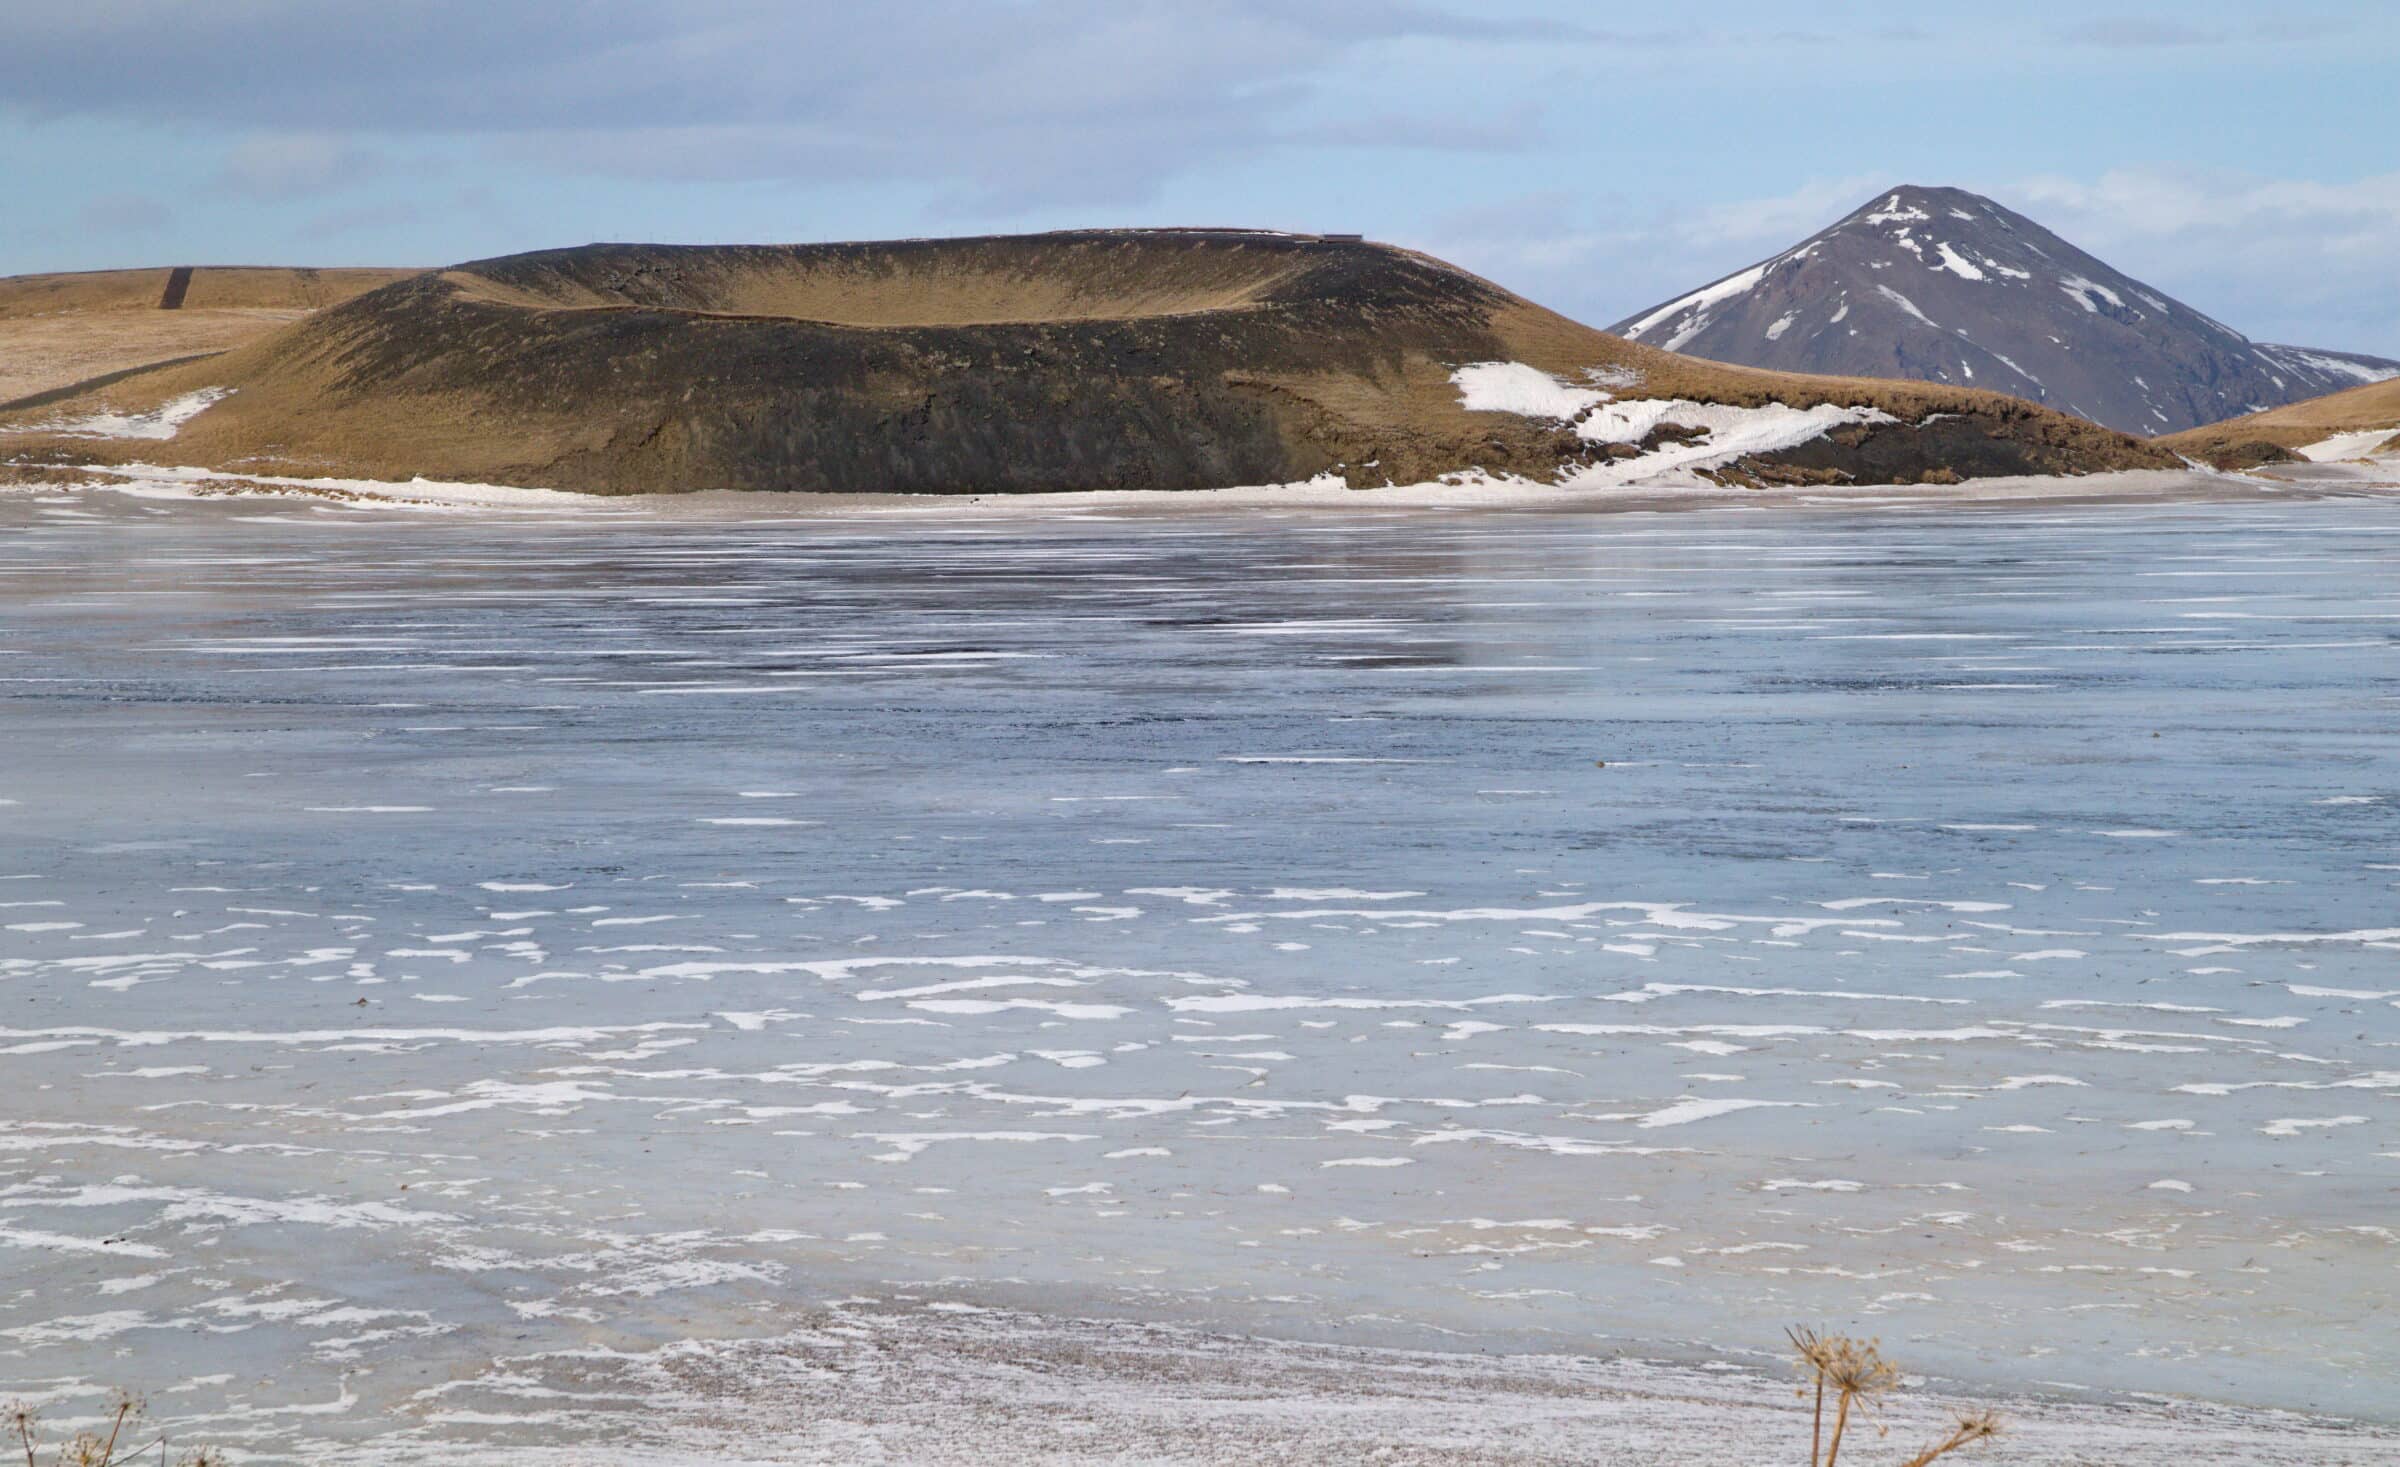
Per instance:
(433,938)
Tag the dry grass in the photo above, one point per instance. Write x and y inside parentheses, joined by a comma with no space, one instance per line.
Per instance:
(41,353)
(124,1436)
(1853,1376)
(2296,425)
(58,330)
(213,288)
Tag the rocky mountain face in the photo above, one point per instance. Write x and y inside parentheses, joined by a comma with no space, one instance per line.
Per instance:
(1941,285)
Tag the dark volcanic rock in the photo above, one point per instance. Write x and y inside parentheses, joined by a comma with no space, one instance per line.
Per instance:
(1941,285)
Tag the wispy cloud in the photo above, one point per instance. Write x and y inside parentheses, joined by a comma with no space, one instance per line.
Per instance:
(2295,260)
(1014,105)
(2136,32)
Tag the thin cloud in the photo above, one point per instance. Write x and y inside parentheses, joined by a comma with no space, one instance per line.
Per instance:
(1010,106)
(2131,32)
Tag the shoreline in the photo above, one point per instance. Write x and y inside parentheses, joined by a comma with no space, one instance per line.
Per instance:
(2144,486)
(927,1380)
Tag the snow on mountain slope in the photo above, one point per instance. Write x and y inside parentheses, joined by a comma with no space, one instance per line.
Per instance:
(1941,285)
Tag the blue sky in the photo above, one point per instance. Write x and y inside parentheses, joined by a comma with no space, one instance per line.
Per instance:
(1597,157)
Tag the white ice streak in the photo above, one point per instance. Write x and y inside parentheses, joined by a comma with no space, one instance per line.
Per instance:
(1684,1112)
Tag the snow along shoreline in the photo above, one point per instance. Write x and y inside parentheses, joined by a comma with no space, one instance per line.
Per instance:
(933,1381)
(1668,475)
(1462,492)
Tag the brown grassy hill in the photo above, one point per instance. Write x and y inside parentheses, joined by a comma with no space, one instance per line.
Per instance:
(58,330)
(2276,433)
(1163,359)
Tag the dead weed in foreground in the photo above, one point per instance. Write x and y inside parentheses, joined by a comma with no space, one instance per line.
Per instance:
(124,1437)
(1855,1374)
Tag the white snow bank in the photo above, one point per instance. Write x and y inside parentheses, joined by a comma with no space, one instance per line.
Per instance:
(1731,433)
(1725,432)
(2344,446)
(157,481)
(159,424)
(1513,387)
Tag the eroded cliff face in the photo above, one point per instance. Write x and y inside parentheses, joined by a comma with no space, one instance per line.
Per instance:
(1176,359)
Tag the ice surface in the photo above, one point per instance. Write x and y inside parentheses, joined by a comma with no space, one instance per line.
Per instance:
(1796,893)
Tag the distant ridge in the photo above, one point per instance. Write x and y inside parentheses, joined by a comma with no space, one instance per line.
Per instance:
(1942,285)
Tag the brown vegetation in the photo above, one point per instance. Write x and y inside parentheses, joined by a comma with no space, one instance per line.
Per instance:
(57,331)
(2270,436)
(1854,1374)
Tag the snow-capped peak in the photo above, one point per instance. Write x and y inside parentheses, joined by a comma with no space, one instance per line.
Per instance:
(2016,306)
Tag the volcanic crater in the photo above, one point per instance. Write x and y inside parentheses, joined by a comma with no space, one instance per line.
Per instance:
(1099,359)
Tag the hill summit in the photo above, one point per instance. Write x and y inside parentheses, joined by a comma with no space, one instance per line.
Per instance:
(1942,285)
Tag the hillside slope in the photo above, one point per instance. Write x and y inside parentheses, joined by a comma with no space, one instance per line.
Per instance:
(2352,424)
(1168,359)
(1941,285)
(59,330)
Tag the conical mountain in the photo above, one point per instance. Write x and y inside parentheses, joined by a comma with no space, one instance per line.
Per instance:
(1942,285)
